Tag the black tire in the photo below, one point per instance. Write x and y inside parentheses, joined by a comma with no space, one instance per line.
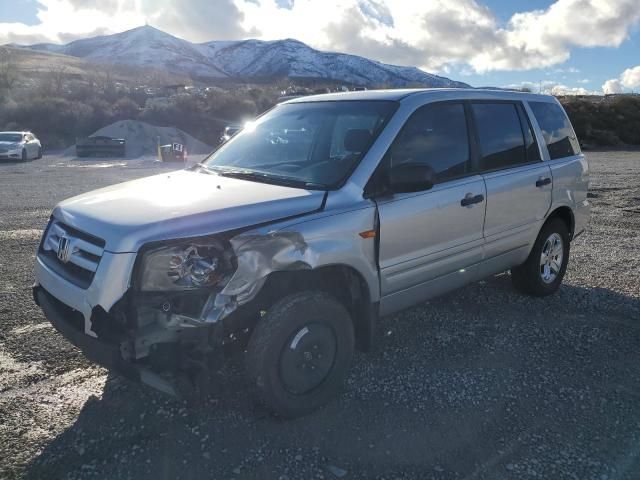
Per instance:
(39,153)
(278,353)
(24,155)
(528,277)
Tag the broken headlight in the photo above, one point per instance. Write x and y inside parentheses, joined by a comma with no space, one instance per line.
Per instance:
(186,267)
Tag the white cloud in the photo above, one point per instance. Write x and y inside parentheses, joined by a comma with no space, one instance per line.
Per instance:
(612,86)
(566,90)
(435,34)
(62,21)
(438,33)
(65,20)
(551,87)
(629,79)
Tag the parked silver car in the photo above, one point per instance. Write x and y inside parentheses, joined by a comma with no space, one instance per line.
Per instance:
(293,238)
(19,146)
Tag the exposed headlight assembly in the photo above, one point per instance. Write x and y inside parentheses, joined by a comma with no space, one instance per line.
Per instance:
(186,267)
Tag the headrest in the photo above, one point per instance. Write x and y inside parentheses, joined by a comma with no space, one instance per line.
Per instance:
(357,139)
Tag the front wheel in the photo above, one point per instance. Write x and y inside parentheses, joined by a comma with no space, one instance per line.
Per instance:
(544,270)
(300,352)
(39,153)
(24,155)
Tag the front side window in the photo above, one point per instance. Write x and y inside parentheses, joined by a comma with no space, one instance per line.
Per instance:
(435,135)
(311,145)
(500,136)
(556,130)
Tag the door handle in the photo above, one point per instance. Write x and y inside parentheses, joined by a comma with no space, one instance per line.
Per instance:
(543,181)
(470,199)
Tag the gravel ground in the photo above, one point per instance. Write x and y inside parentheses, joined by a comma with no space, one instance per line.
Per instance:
(482,383)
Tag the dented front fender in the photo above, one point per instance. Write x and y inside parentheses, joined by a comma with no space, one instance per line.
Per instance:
(327,239)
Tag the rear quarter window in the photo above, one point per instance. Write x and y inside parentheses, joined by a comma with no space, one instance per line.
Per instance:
(556,129)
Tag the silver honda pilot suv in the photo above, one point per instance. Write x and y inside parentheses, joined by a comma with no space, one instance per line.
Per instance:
(293,238)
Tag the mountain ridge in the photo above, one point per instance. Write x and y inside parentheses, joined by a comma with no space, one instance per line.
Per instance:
(248,59)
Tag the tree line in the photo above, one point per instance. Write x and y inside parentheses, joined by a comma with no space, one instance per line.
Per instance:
(58,108)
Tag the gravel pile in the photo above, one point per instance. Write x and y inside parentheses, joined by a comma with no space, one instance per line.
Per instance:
(481,383)
(142,138)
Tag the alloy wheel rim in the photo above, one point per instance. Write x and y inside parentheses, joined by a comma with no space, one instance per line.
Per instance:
(551,258)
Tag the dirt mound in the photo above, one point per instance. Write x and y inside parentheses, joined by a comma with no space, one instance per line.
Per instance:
(142,138)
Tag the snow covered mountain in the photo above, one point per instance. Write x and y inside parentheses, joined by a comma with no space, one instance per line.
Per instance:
(243,60)
(141,47)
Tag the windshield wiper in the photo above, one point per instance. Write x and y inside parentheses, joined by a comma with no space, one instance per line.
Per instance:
(265,178)
(201,167)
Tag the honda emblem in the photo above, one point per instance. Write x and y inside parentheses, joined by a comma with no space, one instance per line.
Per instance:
(63,249)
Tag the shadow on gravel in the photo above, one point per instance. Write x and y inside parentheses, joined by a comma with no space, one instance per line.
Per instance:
(481,383)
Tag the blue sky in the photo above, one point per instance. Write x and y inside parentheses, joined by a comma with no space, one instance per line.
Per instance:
(587,67)
(24,11)
(563,45)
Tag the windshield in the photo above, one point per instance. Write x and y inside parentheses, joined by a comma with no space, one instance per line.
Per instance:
(10,137)
(311,145)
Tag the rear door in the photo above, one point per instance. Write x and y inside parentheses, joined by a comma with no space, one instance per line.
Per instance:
(518,182)
(431,241)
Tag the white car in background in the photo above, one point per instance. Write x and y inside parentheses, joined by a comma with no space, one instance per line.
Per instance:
(19,146)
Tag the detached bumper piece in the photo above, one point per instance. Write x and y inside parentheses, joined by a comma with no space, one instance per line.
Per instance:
(109,348)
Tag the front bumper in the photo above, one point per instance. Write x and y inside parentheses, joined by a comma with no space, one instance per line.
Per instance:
(110,283)
(108,353)
(70,323)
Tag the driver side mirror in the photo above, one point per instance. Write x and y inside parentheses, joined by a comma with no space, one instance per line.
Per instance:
(410,177)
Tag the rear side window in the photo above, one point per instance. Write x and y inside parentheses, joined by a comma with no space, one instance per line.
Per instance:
(435,135)
(556,129)
(500,135)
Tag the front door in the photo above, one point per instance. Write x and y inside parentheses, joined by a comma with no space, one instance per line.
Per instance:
(431,241)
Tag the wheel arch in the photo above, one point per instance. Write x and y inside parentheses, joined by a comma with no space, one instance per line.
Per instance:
(564,213)
(343,282)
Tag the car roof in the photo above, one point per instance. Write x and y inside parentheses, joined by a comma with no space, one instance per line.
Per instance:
(19,133)
(400,94)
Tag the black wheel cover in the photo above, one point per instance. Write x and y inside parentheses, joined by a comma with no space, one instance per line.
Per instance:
(307,358)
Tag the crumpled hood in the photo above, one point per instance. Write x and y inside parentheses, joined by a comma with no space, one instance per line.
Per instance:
(180,204)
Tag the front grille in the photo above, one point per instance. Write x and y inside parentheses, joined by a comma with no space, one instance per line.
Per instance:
(84,252)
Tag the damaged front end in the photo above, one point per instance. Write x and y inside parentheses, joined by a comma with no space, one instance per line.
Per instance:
(189,304)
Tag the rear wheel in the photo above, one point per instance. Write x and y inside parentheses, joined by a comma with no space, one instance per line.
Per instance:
(300,352)
(544,270)
(39,153)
